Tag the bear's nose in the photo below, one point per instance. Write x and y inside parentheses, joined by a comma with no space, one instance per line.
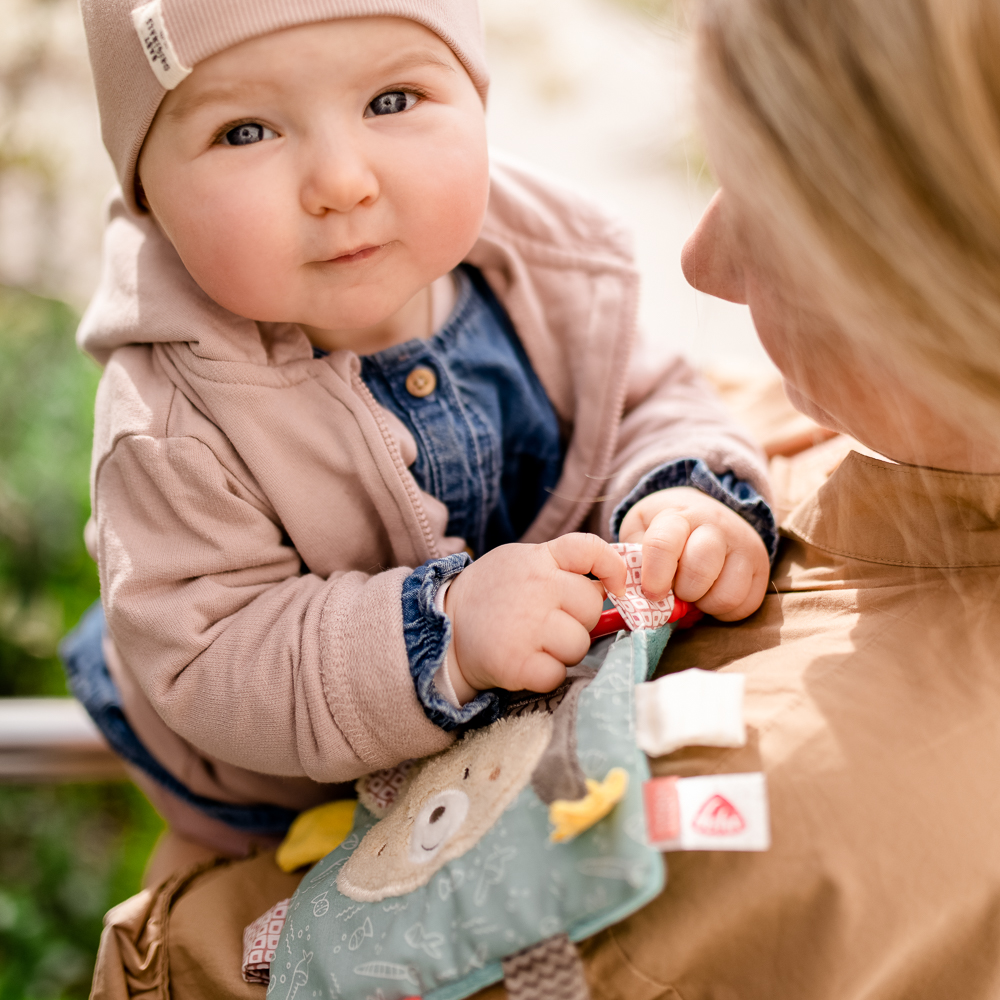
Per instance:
(437,822)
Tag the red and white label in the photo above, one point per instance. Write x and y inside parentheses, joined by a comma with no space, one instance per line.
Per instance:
(718,817)
(718,812)
(663,811)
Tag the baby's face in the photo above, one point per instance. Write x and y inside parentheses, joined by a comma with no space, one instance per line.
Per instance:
(323,174)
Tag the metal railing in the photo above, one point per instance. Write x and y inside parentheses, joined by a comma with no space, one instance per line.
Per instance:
(52,739)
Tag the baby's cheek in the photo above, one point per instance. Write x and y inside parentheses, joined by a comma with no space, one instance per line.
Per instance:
(443,202)
(241,257)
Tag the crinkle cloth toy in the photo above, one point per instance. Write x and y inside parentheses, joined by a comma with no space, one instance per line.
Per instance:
(488,860)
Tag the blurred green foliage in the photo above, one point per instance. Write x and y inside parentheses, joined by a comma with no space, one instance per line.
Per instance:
(46,422)
(67,852)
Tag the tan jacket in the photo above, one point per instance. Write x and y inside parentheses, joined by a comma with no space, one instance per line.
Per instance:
(226,459)
(873,701)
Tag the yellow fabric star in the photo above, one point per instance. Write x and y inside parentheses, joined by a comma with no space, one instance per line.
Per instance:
(571,818)
(315,833)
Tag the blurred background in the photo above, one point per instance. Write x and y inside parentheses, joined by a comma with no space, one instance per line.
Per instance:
(596,92)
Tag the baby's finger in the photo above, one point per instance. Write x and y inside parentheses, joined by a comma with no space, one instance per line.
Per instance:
(701,564)
(634,526)
(737,592)
(541,672)
(583,553)
(564,637)
(662,545)
(581,599)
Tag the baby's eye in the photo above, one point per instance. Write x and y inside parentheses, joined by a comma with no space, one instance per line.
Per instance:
(247,134)
(391,103)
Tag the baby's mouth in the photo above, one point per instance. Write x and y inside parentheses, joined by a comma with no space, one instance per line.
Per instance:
(363,253)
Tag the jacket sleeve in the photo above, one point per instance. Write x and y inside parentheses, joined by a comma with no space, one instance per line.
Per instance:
(672,413)
(241,650)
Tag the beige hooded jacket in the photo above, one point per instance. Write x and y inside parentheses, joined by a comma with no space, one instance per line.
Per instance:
(227,460)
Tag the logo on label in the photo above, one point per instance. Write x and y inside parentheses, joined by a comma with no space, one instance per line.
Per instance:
(718,817)
(152,32)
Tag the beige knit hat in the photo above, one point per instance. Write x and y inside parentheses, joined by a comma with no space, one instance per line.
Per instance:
(139,51)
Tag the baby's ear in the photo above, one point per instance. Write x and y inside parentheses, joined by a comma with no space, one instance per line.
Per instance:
(380,791)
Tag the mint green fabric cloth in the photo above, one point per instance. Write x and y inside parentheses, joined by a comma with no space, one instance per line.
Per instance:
(513,889)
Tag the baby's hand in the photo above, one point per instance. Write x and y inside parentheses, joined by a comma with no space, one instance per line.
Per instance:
(701,549)
(522,612)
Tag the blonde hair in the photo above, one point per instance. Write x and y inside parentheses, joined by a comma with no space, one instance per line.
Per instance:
(868,132)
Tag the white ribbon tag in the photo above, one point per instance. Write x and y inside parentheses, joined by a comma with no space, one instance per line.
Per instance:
(156,44)
(712,812)
(691,708)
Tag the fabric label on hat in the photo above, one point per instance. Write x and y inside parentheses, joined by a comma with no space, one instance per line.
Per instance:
(717,812)
(690,708)
(152,32)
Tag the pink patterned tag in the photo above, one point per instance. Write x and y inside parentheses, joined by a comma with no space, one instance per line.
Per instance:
(378,790)
(638,612)
(260,940)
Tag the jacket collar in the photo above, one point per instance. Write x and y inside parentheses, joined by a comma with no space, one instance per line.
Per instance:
(903,515)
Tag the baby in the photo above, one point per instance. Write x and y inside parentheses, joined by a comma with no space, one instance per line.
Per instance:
(346,355)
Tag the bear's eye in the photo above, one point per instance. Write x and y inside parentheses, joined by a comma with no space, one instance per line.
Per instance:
(465,777)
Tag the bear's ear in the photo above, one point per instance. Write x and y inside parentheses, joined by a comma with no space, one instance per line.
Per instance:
(558,774)
(380,791)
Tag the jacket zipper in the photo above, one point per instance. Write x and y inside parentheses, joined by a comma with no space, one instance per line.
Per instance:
(409,484)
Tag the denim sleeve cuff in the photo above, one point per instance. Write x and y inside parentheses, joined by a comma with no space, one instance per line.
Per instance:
(427,632)
(737,494)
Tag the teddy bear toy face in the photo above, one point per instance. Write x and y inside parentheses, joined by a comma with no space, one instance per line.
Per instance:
(450,801)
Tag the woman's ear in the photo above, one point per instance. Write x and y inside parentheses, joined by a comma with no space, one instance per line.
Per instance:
(711,256)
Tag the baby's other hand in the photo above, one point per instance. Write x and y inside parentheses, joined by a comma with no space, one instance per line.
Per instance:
(705,552)
(521,613)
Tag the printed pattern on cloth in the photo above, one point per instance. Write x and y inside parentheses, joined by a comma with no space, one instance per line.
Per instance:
(260,942)
(551,970)
(638,611)
(380,789)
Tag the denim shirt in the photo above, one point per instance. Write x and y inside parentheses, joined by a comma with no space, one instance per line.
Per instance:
(488,443)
